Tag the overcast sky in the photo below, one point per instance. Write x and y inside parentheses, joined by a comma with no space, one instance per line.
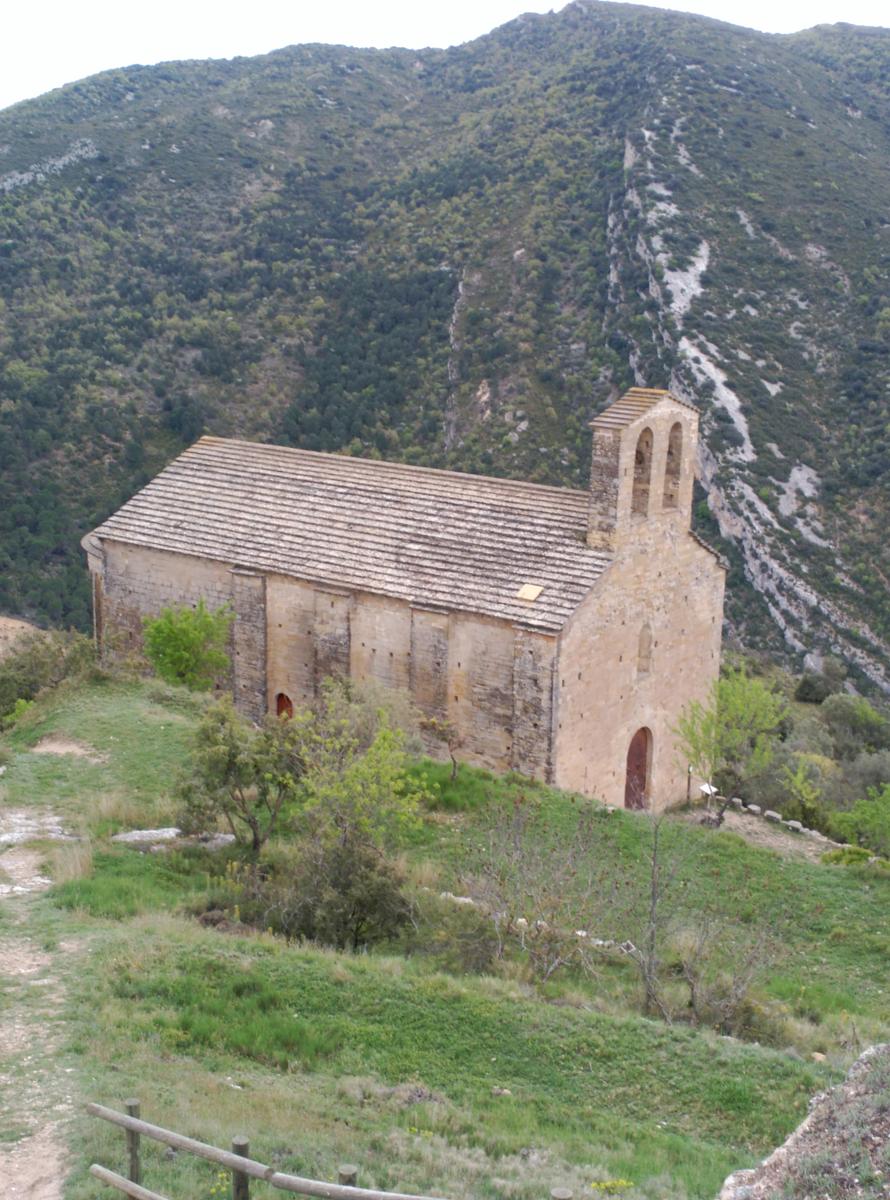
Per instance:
(46,43)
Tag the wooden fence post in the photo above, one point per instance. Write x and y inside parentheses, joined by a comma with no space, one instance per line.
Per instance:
(135,1167)
(347,1174)
(240,1181)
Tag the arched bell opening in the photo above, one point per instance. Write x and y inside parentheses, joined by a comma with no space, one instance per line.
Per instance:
(642,474)
(671,498)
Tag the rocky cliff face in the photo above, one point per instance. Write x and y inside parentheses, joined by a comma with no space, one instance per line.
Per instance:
(838,1151)
(456,258)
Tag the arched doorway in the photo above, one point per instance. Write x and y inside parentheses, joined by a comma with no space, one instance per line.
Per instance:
(284,706)
(639,762)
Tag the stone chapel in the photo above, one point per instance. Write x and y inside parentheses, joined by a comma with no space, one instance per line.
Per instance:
(561,632)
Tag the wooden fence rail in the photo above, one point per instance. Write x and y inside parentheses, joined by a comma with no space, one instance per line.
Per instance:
(237,1161)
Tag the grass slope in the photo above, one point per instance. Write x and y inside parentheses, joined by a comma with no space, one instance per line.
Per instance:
(622,1098)
(390,1061)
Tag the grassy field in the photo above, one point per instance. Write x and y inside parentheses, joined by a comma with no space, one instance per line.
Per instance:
(453,1084)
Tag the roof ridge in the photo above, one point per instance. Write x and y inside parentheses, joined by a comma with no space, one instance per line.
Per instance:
(384,463)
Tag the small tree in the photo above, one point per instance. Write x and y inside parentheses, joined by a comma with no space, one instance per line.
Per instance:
(548,898)
(734,733)
(721,962)
(244,775)
(187,645)
(713,951)
(356,781)
(812,688)
(448,734)
(803,791)
(351,894)
(647,953)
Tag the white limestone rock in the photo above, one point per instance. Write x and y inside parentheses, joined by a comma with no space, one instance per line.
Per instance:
(147,837)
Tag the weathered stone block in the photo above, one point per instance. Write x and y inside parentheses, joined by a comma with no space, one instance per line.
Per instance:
(249,643)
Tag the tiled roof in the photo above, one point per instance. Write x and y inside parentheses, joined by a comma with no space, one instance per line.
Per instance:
(434,538)
(633,404)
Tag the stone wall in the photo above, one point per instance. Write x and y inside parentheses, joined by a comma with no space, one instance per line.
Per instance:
(381,641)
(249,643)
(135,581)
(428,669)
(290,641)
(534,675)
(492,681)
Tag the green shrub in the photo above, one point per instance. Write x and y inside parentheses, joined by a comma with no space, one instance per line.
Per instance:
(187,645)
(812,689)
(247,777)
(39,661)
(854,778)
(868,822)
(352,895)
(855,726)
(802,799)
(847,856)
(341,892)
(18,711)
(459,938)
(339,768)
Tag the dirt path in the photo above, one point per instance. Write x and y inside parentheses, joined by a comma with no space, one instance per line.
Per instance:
(34,1100)
(766,834)
(53,744)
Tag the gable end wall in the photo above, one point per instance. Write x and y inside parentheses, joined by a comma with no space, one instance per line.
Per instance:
(666,581)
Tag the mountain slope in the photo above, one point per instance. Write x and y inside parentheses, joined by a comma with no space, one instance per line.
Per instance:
(456,257)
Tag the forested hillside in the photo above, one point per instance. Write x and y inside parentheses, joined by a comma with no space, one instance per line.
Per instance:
(455,258)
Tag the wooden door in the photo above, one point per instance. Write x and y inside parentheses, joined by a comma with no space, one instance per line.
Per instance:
(636,787)
(284,706)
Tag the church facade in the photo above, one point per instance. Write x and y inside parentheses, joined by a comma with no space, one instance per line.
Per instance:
(559,632)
